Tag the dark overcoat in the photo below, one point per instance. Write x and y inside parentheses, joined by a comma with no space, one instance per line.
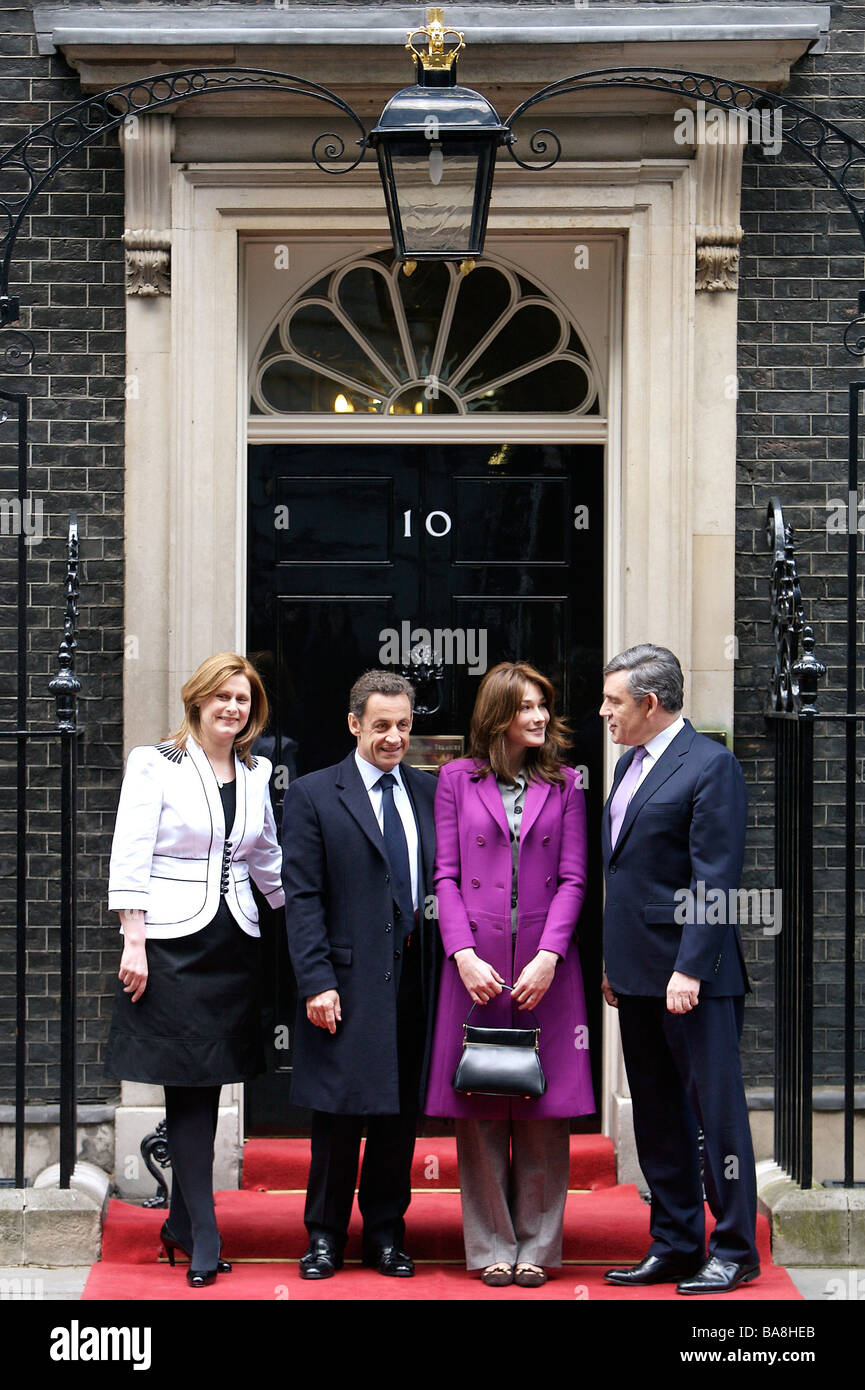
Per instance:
(342,934)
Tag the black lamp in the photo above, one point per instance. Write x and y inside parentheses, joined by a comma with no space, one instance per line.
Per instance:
(436,144)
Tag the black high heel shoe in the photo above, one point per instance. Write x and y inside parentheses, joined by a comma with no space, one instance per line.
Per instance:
(170,1243)
(199,1278)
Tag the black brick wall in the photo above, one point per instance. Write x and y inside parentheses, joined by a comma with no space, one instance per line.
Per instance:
(68,274)
(801,268)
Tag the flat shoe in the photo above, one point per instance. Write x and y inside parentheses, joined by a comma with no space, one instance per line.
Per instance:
(497,1276)
(529,1276)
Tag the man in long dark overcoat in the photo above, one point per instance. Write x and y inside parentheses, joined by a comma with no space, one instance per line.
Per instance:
(358,850)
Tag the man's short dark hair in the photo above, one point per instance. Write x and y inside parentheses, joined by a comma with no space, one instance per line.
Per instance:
(651,671)
(377,683)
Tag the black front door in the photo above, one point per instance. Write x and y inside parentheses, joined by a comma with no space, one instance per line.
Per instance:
(376,555)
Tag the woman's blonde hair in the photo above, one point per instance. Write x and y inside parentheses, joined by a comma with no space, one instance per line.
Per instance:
(207,680)
(497,705)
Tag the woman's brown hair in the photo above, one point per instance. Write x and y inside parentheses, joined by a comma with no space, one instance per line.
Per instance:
(207,680)
(501,693)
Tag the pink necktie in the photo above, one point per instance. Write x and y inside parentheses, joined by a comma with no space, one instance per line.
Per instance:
(627,787)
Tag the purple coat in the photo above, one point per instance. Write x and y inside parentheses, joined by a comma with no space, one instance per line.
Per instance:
(472,880)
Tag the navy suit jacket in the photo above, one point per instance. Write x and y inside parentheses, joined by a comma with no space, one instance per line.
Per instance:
(343,935)
(684,829)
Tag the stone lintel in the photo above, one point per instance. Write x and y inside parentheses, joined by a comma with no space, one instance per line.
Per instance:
(111,44)
(60,25)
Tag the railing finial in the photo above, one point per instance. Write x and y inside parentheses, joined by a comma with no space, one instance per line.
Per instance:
(66,685)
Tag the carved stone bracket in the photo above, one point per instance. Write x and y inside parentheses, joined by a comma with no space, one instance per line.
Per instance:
(148,262)
(147,238)
(719,187)
(718,258)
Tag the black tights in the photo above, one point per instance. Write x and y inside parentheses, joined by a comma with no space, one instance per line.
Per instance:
(191,1113)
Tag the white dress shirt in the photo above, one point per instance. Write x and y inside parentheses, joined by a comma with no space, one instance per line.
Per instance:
(658,745)
(371,774)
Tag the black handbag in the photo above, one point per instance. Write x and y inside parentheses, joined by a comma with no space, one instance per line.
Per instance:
(500,1062)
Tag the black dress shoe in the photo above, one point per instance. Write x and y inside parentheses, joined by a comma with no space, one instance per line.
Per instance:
(322,1259)
(719,1276)
(654,1269)
(390,1260)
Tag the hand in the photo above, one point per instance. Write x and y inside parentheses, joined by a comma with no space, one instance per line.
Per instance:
(481,980)
(607,992)
(133,969)
(324,1010)
(683,993)
(535,979)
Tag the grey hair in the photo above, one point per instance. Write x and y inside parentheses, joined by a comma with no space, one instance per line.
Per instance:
(377,683)
(651,671)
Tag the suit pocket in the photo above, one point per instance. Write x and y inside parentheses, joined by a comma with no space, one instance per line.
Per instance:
(245,900)
(341,955)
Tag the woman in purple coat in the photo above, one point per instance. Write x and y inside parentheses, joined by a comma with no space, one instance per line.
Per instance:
(510,878)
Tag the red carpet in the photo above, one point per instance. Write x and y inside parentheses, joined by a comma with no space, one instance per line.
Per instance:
(262,1229)
(281,1164)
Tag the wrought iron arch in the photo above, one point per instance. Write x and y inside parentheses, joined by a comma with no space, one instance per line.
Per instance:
(57,140)
(838,156)
(720,92)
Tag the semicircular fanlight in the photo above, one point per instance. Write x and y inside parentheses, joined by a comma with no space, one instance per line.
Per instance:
(366,339)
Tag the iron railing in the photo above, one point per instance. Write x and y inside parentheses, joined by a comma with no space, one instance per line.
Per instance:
(793,716)
(65,687)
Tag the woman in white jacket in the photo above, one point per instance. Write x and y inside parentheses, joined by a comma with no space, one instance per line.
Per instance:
(193,825)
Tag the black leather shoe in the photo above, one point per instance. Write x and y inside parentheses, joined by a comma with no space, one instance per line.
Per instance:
(390,1260)
(654,1269)
(719,1276)
(322,1259)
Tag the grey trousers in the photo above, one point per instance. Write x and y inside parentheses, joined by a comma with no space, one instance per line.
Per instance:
(513,1181)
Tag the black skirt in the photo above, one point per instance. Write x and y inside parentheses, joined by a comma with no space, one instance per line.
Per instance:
(198,1022)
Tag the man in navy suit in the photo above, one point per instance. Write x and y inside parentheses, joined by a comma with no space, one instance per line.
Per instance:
(673,843)
(358,844)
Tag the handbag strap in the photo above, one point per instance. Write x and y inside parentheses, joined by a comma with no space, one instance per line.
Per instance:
(508,987)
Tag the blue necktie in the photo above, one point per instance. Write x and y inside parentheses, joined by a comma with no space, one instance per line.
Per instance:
(397,853)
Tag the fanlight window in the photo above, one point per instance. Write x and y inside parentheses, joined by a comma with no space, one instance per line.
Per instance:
(368,339)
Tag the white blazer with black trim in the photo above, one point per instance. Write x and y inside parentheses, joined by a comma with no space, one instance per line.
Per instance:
(170,852)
